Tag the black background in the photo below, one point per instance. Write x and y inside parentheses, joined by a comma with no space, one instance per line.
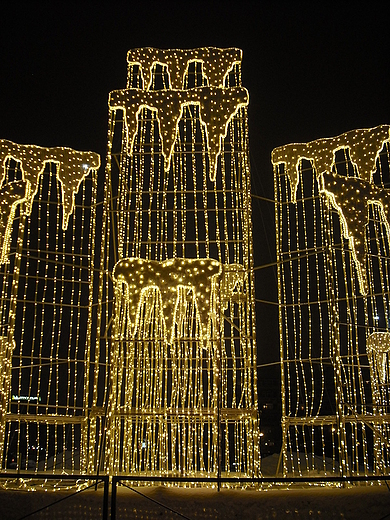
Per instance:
(313,69)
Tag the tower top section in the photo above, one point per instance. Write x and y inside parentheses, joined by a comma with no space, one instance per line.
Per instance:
(216,64)
(72,166)
(348,195)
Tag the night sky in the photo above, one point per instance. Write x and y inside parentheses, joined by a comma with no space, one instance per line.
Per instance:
(313,69)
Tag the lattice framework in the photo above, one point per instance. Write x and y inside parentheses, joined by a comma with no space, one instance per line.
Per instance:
(47,236)
(333,264)
(182,390)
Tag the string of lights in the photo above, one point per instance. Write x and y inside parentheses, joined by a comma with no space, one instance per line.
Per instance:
(127,340)
(332,259)
(47,254)
(177,271)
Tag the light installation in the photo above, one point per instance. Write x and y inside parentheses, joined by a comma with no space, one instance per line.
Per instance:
(127,339)
(47,233)
(175,295)
(332,235)
(127,321)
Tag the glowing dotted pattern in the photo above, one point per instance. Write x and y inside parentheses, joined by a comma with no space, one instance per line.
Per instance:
(47,237)
(350,197)
(363,145)
(72,167)
(217,108)
(216,64)
(12,194)
(177,270)
(146,364)
(196,275)
(378,346)
(332,227)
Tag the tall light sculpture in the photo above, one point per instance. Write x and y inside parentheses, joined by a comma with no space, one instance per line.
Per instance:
(332,226)
(47,232)
(176,317)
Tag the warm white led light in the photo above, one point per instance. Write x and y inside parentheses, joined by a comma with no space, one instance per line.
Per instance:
(349,197)
(217,108)
(12,195)
(183,371)
(72,167)
(47,233)
(127,330)
(332,235)
(378,347)
(217,63)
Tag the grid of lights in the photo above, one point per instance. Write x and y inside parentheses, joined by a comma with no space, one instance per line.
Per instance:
(216,64)
(176,287)
(169,277)
(149,367)
(333,268)
(349,197)
(217,108)
(47,235)
(72,167)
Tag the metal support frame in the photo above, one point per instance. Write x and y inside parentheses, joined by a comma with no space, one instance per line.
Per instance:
(47,477)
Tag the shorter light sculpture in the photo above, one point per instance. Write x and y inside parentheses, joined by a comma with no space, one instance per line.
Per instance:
(47,231)
(72,167)
(332,225)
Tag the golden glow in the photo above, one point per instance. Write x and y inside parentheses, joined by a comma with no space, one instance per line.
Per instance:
(12,194)
(350,197)
(179,250)
(363,145)
(127,324)
(217,63)
(72,167)
(217,108)
(169,277)
(47,234)
(378,346)
(332,234)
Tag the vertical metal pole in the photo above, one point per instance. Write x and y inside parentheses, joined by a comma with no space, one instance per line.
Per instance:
(219,428)
(105,497)
(219,396)
(113,498)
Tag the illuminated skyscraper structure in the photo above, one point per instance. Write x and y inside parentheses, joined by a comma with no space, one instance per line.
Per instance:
(332,225)
(47,233)
(175,296)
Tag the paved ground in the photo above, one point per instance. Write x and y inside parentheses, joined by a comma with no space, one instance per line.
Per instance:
(363,502)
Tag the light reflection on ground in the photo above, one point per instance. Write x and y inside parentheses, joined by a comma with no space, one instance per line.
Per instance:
(365,502)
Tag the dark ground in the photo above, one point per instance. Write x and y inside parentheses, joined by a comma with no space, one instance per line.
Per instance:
(364,502)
